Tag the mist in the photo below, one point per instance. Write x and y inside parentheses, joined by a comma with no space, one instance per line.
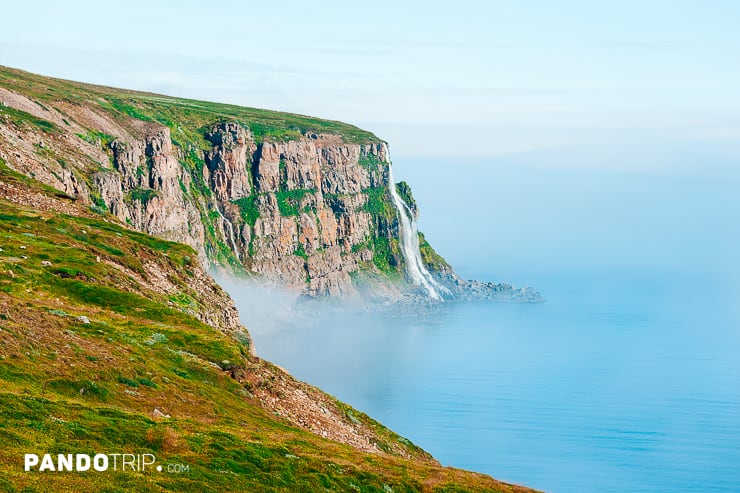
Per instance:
(282,322)
(626,378)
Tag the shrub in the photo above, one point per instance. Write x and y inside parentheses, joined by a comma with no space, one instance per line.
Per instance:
(378,203)
(289,201)
(128,381)
(143,195)
(404,191)
(248,208)
(301,252)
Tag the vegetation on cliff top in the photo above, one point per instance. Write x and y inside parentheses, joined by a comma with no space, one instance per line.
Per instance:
(181,115)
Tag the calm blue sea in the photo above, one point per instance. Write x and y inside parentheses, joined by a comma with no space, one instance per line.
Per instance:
(626,379)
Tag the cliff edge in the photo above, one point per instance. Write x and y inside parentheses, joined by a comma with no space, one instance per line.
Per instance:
(295,200)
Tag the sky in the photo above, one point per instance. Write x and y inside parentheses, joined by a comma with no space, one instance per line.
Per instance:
(490,78)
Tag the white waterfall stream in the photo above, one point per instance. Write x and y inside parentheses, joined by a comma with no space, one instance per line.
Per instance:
(409,242)
(231,231)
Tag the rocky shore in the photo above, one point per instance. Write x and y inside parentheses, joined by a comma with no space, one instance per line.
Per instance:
(477,291)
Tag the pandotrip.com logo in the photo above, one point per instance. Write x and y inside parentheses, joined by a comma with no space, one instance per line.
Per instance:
(98,463)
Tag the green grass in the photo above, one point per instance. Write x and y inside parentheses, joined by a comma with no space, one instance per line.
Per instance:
(18,117)
(99,206)
(127,381)
(143,195)
(8,175)
(177,113)
(371,162)
(404,191)
(379,203)
(220,458)
(289,202)
(114,104)
(248,208)
(71,387)
(382,256)
(430,257)
(98,138)
(301,252)
(386,253)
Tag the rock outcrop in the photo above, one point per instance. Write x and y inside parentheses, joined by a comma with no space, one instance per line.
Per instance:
(228,164)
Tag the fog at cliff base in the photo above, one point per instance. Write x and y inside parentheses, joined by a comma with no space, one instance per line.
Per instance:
(626,378)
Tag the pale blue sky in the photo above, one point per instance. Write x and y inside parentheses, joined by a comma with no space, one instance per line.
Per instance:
(488,77)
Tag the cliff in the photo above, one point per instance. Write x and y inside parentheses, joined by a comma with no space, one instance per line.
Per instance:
(113,341)
(296,200)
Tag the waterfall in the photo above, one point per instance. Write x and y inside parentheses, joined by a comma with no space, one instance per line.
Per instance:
(231,231)
(408,234)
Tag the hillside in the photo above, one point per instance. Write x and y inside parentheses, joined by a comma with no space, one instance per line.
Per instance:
(113,341)
(296,200)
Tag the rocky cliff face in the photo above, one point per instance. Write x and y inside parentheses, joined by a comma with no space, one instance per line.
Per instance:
(297,201)
(308,208)
(296,211)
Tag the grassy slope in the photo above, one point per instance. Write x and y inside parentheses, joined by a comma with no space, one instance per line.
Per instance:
(71,387)
(183,116)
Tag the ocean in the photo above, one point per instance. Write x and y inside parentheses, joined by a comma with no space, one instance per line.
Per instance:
(626,379)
